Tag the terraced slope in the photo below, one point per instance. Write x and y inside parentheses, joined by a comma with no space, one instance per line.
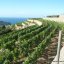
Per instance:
(28,45)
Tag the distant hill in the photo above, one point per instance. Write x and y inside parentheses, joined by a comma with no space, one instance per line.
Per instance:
(4,23)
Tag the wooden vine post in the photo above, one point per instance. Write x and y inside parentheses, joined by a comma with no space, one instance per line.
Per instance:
(59,46)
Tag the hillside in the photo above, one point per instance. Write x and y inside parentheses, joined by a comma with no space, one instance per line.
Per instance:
(59,18)
(35,44)
(4,23)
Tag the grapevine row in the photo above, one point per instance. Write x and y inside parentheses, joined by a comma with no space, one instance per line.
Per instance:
(31,59)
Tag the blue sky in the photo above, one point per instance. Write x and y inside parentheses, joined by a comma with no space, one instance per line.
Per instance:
(30,8)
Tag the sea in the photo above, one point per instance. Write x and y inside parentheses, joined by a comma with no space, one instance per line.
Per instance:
(13,20)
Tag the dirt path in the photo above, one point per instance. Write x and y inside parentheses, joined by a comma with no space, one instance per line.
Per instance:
(61,57)
(36,22)
(56,19)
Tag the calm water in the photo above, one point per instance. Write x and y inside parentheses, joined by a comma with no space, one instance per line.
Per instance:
(13,20)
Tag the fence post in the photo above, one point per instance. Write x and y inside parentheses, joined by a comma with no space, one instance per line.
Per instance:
(59,45)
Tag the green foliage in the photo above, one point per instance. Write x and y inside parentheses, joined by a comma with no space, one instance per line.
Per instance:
(38,50)
(6,56)
(6,62)
(27,44)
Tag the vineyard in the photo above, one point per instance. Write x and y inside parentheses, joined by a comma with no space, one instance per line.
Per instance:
(25,46)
